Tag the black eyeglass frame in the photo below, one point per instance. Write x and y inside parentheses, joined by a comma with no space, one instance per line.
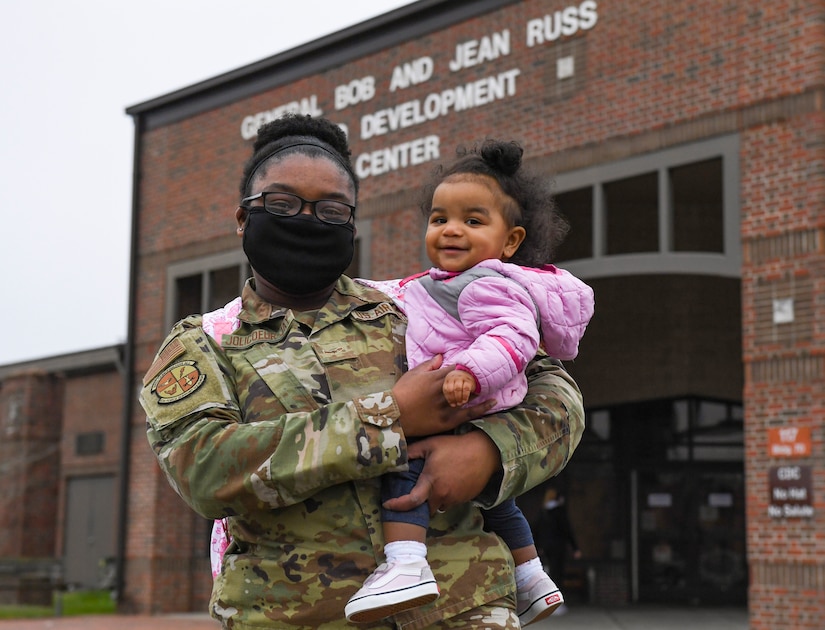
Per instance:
(312,204)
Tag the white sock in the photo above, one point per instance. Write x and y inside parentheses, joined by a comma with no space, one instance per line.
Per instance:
(526,571)
(405,551)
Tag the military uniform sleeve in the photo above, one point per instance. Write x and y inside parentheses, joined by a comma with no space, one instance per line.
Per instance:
(537,438)
(222,463)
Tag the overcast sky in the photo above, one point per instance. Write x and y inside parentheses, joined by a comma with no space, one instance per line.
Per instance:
(69,70)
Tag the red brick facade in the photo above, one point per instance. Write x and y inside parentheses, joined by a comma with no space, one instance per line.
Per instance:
(783,232)
(30,451)
(61,420)
(647,77)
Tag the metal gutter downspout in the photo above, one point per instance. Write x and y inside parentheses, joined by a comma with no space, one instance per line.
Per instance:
(128,373)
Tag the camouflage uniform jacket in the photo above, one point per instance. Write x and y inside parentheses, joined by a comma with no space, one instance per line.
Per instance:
(286,428)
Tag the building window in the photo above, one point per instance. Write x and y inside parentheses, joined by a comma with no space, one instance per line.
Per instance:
(674,430)
(205,291)
(697,207)
(15,418)
(353,271)
(672,211)
(188,295)
(204,284)
(89,443)
(577,208)
(631,215)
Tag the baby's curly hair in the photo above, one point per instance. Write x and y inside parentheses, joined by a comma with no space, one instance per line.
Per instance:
(296,133)
(531,203)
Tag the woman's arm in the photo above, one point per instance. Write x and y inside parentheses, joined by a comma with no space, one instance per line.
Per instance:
(222,459)
(537,438)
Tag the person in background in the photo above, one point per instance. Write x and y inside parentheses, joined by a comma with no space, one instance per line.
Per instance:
(556,536)
(280,412)
(489,302)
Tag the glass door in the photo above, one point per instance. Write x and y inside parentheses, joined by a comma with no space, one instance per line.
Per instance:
(689,535)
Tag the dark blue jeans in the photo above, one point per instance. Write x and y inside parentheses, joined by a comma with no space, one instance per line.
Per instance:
(505,519)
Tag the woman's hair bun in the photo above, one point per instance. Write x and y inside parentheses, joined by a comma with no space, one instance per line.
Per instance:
(504,157)
(302,126)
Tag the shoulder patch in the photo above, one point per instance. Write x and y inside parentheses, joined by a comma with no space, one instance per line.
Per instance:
(177,382)
(170,352)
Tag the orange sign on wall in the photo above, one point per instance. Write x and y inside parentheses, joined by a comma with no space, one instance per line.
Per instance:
(789,442)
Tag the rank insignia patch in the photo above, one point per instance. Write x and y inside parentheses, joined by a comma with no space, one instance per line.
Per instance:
(178,381)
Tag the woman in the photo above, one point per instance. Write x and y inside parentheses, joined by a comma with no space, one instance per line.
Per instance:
(281,411)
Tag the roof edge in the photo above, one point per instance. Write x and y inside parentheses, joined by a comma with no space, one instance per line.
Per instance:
(320,54)
(73,362)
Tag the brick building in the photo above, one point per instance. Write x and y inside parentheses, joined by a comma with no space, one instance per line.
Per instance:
(61,420)
(687,146)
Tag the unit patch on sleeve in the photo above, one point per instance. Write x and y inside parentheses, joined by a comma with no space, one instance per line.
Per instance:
(177,382)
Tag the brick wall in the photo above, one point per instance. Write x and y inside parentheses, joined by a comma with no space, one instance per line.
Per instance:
(91,442)
(30,457)
(29,473)
(43,412)
(782,229)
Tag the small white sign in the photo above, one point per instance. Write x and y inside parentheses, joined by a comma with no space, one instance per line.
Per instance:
(659,499)
(720,499)
(565,67)
(783,311)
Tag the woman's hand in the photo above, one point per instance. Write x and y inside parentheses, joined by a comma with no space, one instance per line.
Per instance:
(456,470)
(420,399)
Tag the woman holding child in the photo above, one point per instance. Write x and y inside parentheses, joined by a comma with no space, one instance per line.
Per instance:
(297,403)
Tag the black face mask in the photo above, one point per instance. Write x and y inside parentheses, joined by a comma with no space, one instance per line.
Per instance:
(300,254)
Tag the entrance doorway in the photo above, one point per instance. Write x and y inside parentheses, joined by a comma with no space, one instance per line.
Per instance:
(665,479)
(688,535)
(90,531)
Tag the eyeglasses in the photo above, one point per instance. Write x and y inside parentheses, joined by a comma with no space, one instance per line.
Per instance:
(284,204)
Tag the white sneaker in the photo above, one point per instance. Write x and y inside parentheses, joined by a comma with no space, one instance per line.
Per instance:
(538,599)
(392,588)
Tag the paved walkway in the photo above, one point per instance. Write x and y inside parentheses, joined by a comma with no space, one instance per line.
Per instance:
(579,618)
(115,622)
(583,617)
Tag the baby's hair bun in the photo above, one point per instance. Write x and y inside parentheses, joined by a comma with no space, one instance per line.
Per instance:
(504,157)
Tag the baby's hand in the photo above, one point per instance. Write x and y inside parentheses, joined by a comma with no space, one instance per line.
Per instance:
(458,385)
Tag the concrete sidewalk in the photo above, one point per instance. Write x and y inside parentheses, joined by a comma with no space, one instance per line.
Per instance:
(181,621)
(647,617)
(580,617)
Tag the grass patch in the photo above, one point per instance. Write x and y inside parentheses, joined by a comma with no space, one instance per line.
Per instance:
(14,611)
(72,603)
(88,603)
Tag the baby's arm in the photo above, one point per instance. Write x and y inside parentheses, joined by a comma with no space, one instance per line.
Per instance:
(459,385)
(500,317)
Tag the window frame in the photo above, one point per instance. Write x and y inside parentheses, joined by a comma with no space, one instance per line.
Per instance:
(200,266)
(665,261)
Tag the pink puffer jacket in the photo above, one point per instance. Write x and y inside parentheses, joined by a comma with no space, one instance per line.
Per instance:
(497,333)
